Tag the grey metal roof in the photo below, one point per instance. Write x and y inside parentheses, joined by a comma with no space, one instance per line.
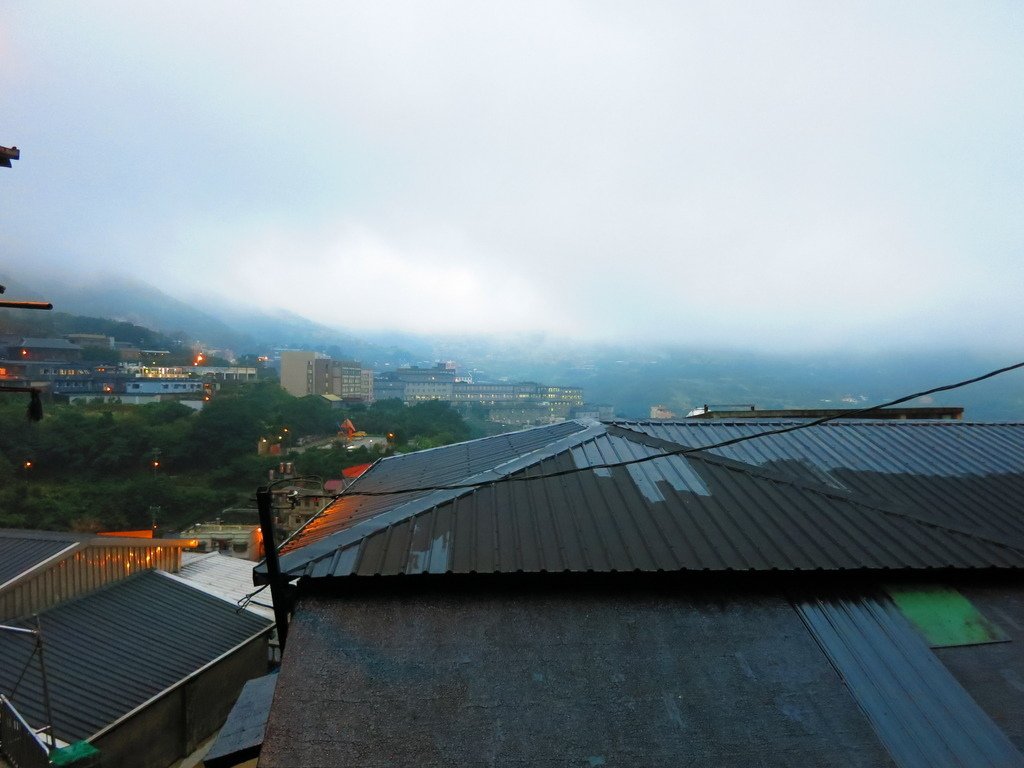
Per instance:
(654,677)
(229,578)
(953,472)
(242,734)
(21,551)
(113,650)
(693,512)
(922,715)
(436,466)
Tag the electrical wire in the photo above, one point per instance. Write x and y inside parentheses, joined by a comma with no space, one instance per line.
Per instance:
(244,601)
(684,450)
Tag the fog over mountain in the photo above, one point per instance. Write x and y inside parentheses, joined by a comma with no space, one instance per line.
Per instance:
(680,375)
(800,176)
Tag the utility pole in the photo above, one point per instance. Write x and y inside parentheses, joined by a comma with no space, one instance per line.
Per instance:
(6,155)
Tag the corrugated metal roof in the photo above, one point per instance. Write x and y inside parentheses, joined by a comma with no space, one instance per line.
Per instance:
(113,650)
(694,512)
(953,472)
(242,734)
(21,551)
(449,464)
(922,715)
(229,578)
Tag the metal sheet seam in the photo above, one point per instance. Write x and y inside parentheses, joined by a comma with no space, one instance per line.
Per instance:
(879,505)
(294,560)
(919,711)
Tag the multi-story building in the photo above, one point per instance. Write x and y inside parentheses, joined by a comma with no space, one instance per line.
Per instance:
(297,371)
(311,373)
(240,540)
(519,403)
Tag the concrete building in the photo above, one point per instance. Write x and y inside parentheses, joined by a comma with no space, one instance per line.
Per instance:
(297,373)
(227,372)
(517,404)
(311,373)
(241,540)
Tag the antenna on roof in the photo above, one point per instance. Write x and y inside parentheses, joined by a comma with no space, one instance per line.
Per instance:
(37,633)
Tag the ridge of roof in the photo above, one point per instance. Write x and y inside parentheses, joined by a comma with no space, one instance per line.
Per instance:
(662,513)
(409,508)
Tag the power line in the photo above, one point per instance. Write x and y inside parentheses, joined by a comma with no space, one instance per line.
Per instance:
(685,450)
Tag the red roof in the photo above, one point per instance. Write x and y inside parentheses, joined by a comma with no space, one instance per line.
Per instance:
(356,471)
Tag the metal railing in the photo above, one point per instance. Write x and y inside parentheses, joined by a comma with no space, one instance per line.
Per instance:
(19,744)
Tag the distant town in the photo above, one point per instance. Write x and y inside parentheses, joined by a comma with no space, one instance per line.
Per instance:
(85,367)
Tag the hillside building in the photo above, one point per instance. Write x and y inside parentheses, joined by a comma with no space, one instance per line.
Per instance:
(516,404)
(311,373)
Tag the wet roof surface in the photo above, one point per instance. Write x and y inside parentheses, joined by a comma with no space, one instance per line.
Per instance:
(21,551)
(922,715)
(242,734)
(561,677)
(114,649)
(879,495)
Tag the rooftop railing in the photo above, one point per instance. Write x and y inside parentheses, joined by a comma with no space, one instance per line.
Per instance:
(19,744)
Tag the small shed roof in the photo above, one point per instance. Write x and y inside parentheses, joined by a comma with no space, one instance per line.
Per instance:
(562,511)
(229,578)
(114,650)
(242,735)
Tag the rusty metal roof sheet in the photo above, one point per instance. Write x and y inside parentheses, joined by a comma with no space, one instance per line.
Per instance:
(693,512)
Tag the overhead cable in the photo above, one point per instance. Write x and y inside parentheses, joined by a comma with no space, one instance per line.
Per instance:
(683,450)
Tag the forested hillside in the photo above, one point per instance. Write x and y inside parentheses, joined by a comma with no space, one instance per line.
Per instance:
(106,466)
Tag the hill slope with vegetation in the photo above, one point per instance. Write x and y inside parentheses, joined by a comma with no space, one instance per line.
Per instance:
(110,466)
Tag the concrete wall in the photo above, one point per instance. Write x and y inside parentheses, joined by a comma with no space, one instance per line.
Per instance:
(174,725)
(293,372)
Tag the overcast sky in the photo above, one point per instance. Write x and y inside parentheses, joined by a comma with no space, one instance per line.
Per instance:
(766,174)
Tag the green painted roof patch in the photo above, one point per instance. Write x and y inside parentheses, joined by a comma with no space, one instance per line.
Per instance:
(73,753)
(944,616)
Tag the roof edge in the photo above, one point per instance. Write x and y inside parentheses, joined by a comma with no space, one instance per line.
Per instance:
(370,525)
(170,689)
(44,565)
